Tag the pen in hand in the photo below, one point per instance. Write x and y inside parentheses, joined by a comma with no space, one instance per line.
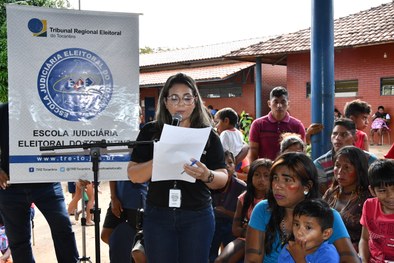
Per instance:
(193,163)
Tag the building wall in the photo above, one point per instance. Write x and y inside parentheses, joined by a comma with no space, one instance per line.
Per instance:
(272,76)
(366,64)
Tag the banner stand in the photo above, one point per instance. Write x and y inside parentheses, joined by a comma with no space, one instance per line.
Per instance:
(95,154)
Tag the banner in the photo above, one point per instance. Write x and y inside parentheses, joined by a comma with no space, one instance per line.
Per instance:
(73,80)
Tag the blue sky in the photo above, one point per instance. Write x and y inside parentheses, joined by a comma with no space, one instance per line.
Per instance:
(180,23)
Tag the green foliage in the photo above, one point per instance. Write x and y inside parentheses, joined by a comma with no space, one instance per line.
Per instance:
(3,36)
(149,50)
(245,121)
(146,50)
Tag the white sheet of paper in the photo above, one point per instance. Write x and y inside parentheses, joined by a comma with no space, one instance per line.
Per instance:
(176,147)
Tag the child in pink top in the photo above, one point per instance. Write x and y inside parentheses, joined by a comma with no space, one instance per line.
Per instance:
(257,188)
(377,220)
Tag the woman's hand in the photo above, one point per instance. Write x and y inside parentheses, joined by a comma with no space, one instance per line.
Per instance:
(197,170)
(214,179)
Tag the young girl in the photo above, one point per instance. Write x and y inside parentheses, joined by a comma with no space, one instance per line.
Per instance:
(257,188)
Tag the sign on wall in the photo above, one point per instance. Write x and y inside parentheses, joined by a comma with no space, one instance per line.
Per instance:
(73,81)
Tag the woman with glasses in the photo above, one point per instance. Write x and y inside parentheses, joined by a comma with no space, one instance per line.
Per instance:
(183,233)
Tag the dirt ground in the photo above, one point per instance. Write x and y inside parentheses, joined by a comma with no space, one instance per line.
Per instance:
(43,249)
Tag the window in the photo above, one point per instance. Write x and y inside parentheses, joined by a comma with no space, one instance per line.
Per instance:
(343,88)
(386,86)
(222,91)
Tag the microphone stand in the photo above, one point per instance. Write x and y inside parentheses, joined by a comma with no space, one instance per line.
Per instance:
(95,154)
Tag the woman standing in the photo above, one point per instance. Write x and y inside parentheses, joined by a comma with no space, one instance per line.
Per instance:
(350,189)
(181,234)
(293,178)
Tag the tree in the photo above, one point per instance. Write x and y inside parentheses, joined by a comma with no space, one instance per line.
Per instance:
(3,36)
(149,50)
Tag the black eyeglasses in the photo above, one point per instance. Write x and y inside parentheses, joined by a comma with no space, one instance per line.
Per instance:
(175,99)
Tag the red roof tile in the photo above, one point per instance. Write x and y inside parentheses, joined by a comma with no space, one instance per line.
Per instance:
(369,27)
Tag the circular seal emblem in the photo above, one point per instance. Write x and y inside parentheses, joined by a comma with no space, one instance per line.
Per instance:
(35,25)
(75,84)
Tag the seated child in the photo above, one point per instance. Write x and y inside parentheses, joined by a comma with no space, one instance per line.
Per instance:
(291,142)
(377,219)
(312,226)
(257,188)
(232,140)
(380,121)
(225,203)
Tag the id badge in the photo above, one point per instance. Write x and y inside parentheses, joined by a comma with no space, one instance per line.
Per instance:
(174,199)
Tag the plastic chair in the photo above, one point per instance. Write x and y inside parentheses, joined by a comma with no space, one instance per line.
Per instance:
(387,133)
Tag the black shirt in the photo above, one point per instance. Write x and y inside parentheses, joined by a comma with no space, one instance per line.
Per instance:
(195,196)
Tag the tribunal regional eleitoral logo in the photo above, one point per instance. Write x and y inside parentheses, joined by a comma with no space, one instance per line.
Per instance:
(75,84)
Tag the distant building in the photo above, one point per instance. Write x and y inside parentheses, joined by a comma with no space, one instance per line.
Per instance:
(222,82)
(364,61)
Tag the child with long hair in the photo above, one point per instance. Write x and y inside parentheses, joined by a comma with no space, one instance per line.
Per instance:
(257,188)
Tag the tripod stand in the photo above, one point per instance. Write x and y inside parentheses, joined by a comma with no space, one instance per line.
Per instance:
(83,224)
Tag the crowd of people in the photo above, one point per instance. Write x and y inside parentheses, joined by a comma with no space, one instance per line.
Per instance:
(261,201)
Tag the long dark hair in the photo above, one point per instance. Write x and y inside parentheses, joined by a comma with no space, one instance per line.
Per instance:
(199,117)
(302,166)
(250,190)
(358,158)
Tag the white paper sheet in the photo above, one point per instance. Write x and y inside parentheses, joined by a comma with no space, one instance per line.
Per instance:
(176,147)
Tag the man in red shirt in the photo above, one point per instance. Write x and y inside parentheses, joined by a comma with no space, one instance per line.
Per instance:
(265,132)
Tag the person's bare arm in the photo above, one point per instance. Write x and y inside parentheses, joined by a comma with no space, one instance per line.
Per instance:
(242,154)
(366,143)
(3,179)
(254,246)
(363,248)
(239,227)
(140,172)
(314,128)
(116,205)
(253,151)
(346,251)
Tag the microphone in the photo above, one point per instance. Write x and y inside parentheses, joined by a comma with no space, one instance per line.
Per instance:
(176,119)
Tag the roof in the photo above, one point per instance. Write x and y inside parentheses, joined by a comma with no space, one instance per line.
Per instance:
(194,54)
(374,26)
(200,74)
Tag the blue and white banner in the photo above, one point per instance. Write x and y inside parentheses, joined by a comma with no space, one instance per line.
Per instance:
(73,81)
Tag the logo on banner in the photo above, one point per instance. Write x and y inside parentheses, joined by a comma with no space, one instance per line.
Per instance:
(75,84)
(38,27)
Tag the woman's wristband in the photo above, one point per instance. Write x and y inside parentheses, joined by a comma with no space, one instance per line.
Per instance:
(210,177)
